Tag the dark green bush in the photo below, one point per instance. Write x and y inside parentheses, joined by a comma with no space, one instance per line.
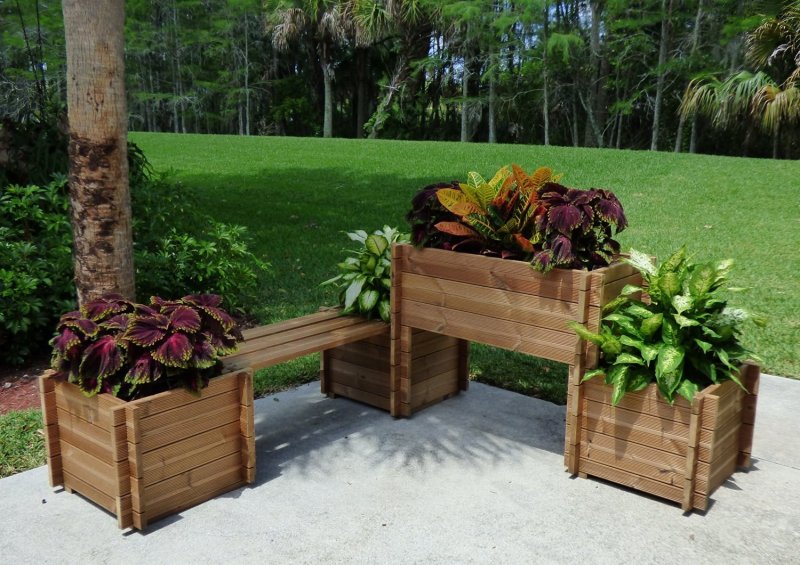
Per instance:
(35,266)
(178,250)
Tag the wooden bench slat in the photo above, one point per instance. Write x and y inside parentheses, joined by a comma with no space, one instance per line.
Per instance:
(278,327)
(284,341)
(296,334)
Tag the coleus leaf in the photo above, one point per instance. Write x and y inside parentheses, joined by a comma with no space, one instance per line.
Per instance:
(118,323)
(104,306)
(102,359)
(64,344)
(562,249)
(185,319)
(564,218)
(83,325)
(144,370)
(174,351)
(202,356)
(205,300)
(147,331)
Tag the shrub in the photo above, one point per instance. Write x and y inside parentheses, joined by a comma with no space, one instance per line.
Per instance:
(684,338)
(132,350)
(35,266)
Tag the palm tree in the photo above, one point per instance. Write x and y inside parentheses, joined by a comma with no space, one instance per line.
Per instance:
(98,165)
(770,97)
(323,26)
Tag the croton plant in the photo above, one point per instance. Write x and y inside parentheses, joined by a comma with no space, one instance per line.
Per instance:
(132,350)
(516,215)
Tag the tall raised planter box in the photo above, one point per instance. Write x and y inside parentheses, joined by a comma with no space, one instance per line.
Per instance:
(498,302)
(681,452)
(361,371)
(155,456)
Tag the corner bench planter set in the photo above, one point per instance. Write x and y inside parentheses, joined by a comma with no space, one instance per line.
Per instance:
(145,459)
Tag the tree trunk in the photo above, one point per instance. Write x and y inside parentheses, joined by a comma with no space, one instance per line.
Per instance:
(666,13)
(382,112)
(492,97)
(327,79)
(361,91)
(246,76)
(545,100)
(464,102)
(679,133)
(98,153)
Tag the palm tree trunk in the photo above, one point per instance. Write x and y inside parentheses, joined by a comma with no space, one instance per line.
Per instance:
(464,98)
(98,154)
(492,98)
(666,14)
(545,100)
(693,135)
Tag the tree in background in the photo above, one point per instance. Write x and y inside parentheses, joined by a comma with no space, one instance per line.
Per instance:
(769,98)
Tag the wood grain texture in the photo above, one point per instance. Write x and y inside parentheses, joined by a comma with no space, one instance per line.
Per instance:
(151,457)
(681,452)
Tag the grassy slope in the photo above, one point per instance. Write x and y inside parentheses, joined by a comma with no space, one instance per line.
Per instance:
(298,194)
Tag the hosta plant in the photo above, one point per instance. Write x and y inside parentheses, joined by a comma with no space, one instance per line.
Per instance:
(498,216)
(684,338)
(132,350)
(576,232)
(365,278)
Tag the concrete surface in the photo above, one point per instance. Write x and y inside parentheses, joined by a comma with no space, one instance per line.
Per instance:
(476,479)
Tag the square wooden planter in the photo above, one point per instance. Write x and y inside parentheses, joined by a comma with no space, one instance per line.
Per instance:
(500,303)
(681,452)
(155,456)
(361,371)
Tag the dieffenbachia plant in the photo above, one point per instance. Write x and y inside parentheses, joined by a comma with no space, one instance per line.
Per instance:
(684,339)
(132,350)
(365,277)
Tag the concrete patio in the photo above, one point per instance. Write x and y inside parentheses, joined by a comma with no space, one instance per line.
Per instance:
(476,479)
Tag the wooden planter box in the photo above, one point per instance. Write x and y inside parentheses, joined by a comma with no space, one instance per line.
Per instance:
(500,303)
(361,371)
(148,458)
(681,452)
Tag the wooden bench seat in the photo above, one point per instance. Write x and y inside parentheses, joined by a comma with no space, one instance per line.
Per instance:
(355,361)
(269,345)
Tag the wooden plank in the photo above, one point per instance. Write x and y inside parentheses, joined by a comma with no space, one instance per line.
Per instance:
(430,366)
(491,331)
(47,398)
(443,385)
(362,378)
(95,410)
(360,395)
(637,420)
(690,475)
(179,414)
(278,354)
(225,481)
(663,471)
(248,445)
(189,427)
(168,460)
(297,334)
(287,325)
(90,469)
(124,511)
(191,478)
(363,354)
(175,398)
(86,437)
(750,373)
(498,303)
(89,490)
(432,343)
(463,364)
(632,480)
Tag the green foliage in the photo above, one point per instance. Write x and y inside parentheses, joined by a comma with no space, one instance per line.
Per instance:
(684,339)
(218,262)
(365,278)
(35,266)
(21,442)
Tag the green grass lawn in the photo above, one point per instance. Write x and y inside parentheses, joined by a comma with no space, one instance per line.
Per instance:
(298,195)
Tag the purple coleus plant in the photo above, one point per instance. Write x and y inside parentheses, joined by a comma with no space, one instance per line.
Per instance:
(577,229)
(130,350)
